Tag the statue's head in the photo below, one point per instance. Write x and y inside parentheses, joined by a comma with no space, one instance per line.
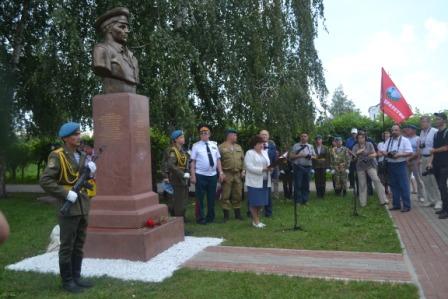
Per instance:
(114,24)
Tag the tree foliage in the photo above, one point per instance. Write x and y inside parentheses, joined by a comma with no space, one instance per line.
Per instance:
(341,104)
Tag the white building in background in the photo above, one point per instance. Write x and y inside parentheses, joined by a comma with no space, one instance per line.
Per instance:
(374,111)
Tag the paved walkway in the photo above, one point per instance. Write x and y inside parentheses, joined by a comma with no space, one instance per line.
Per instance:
(385,267)
(425,238)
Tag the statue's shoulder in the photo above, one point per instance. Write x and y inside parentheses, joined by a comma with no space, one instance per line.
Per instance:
(101,47)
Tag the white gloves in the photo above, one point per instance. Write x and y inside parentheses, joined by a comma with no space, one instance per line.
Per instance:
(72,196)
(92,167)
(186,175)
(327,170)
(347,171)
(333,171)
(282,172)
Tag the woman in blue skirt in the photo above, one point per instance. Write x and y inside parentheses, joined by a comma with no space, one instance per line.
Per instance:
(258,178)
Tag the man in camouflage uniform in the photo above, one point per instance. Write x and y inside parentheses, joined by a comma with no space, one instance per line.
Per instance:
(340,162)
(176,173)
(232,161)
(60,175)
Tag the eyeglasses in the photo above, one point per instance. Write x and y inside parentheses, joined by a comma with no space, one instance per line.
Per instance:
(204,132)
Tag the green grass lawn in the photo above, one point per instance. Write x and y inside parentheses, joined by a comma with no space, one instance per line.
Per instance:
(328,225)
(31,223)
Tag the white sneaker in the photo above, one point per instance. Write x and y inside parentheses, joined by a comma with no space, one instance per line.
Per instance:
(438,205)
(427,204)
(261,224)
(421,199)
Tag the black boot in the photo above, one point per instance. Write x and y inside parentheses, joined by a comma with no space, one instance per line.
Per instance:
(76,273)
(344,192)
(238,214)
(226,215)
(68,283)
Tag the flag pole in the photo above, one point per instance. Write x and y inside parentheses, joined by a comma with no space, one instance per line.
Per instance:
(381,100)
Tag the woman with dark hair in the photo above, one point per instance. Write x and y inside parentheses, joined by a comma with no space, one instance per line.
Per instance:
(258,178)
(366,165)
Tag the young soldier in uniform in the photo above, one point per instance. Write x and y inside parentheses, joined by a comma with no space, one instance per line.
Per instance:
(232,161)
(340,162)
(60,175)
(177,173)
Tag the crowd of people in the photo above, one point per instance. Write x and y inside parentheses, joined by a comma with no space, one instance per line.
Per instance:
(388,168)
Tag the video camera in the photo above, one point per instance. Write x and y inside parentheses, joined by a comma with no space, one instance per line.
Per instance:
(392,154)
(428,171)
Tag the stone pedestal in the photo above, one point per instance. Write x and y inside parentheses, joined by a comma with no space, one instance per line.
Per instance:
(125,199)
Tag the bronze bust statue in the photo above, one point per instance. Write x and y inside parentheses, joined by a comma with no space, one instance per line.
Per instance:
(112,60)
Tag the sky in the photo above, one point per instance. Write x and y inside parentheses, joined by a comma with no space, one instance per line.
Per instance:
(408,38)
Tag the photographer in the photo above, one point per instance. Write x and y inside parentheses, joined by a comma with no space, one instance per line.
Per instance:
(429,181)
(398,149)
(438,162)
(301,155)
(365,154)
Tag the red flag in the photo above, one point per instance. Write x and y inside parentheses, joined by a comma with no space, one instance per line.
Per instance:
(392,101)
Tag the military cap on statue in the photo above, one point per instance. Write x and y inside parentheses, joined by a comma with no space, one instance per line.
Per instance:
(229,131)
(175,134)
(119,14)
(68,129)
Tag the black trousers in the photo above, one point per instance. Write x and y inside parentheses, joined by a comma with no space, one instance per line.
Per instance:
(441,174)
(72,236)
(320,181)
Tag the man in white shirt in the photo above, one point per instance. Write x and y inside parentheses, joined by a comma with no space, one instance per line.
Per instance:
(426,145)
(410,131)
(301,154)
(398,149)
(205,165)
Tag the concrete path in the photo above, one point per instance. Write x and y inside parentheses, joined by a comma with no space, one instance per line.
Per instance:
(385,267)
(425,238)
(24,188)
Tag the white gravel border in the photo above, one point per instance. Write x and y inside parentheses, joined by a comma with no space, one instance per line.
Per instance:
(156,269)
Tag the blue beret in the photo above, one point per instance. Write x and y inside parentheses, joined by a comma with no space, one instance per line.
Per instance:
(230,130)
(68,129)
(176,134)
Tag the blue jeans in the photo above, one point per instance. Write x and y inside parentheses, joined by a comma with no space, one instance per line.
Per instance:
(399,184)
(301,183)
(205,185)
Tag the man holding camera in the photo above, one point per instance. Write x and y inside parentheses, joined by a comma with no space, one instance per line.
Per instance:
(425,147)
(438,162)
(398,149)
(301,155)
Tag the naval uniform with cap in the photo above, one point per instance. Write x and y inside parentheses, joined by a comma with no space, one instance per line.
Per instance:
(59,176)
(206,156)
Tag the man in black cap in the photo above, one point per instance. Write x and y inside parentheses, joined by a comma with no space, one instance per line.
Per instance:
(58,178)
(438,162)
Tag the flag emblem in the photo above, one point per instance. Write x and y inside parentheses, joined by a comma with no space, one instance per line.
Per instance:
(393,93)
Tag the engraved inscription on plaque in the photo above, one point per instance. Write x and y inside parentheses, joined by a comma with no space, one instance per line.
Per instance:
(141,129)
(111,124)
